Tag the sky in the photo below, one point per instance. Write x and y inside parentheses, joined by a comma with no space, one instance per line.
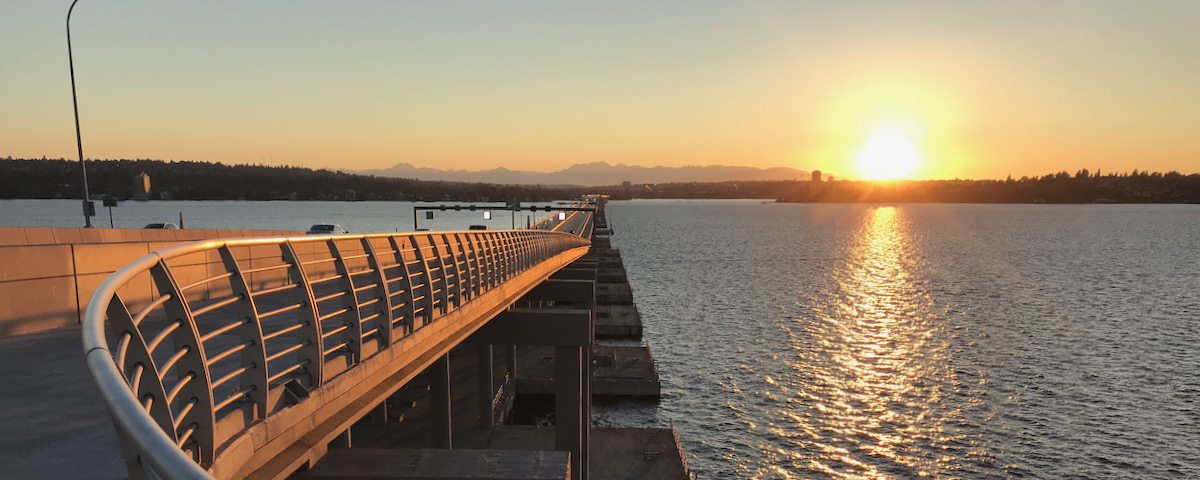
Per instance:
(974,89)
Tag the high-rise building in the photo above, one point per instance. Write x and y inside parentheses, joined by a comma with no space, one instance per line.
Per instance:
(141,187)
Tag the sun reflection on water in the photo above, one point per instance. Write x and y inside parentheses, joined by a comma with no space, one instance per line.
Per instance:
(871,366)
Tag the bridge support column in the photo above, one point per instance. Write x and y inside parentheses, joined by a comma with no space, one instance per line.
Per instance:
(511,361)
(570,331)
(570,422)
(440,391)
(487,386)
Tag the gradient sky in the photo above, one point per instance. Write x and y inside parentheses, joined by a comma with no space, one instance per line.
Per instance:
(985,89)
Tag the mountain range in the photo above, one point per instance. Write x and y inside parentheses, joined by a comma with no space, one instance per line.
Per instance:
(593,174)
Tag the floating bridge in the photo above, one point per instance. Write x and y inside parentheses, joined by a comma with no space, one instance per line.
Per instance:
(246,358)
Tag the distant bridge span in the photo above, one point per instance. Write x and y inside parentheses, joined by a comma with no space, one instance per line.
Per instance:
(246,357)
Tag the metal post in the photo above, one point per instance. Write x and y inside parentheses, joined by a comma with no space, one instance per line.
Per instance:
(75,102)
(414,219)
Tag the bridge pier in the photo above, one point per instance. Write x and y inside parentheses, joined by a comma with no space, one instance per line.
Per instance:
(568,325)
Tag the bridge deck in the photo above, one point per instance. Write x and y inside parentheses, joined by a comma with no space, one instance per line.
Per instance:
(53,423)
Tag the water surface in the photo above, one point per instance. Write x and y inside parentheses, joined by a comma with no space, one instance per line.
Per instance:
(954,341)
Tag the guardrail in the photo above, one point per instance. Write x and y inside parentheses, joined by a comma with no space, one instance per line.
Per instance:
(211,339)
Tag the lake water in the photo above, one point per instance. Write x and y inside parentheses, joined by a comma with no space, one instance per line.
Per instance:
(857,341)
(357,217)
(955,341)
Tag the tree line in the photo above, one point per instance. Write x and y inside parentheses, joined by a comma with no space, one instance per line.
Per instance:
(188,180)
(1061,187)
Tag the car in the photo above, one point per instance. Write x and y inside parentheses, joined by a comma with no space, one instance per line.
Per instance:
(161,226)
(479,227)
(326,229)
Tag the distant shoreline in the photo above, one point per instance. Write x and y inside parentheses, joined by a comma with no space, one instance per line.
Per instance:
(203,181)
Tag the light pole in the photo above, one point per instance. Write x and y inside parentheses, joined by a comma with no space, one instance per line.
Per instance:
(87,212)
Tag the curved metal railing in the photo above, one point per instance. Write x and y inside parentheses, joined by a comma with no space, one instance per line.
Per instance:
(194,344)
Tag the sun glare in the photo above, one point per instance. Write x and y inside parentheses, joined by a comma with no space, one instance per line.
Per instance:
(890,154)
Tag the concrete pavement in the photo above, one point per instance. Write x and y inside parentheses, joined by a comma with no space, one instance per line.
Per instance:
(53,424)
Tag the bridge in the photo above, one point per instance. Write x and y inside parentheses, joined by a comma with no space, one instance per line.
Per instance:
(249,357)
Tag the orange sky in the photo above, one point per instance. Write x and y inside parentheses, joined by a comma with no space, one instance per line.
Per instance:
(984,90)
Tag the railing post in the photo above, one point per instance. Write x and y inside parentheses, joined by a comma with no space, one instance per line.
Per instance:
(485,253)
(480,256)
(468,280)
(192,368)
(429,300)
(254,356)
(385,316)
(410,320)
(139,369)
(444,305)
(353,333)
(311,355)
(501,256)
(464,267)
(526,250)
(457,272)
(493,260)
(477,256)
(510,253)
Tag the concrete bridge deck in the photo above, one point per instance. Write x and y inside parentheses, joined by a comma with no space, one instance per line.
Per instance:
(53,422)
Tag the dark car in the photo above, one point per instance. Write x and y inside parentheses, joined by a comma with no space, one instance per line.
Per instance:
(161,226)
(326,229)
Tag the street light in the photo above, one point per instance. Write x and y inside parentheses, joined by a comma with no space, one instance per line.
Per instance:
(88,209)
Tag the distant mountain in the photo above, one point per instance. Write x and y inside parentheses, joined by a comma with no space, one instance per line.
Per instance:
(594,174)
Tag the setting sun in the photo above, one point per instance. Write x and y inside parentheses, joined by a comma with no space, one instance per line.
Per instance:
(890,154)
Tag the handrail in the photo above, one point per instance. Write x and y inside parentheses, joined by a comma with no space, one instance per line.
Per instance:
(246,337)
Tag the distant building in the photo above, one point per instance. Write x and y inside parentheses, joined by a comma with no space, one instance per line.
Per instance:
(816,175)
(141,187)
(351,195)
(830,178)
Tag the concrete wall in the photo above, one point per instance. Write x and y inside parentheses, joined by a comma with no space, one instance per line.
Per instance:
(47,275)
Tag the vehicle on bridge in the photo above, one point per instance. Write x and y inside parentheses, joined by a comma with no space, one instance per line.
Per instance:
(325,229)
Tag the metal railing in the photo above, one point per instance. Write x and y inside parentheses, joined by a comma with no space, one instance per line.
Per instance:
(193,345)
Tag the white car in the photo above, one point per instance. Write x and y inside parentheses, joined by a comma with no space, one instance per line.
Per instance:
(326,229)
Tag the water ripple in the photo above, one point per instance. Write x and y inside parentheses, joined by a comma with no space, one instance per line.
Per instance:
(955,341)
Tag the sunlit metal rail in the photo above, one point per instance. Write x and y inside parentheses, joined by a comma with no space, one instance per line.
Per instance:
(216,356)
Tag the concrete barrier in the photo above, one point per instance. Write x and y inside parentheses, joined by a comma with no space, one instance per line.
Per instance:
(47,275)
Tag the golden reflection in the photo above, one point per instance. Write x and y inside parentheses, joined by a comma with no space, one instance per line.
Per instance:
(873,366)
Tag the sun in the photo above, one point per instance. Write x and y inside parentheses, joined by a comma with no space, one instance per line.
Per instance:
(889,154)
